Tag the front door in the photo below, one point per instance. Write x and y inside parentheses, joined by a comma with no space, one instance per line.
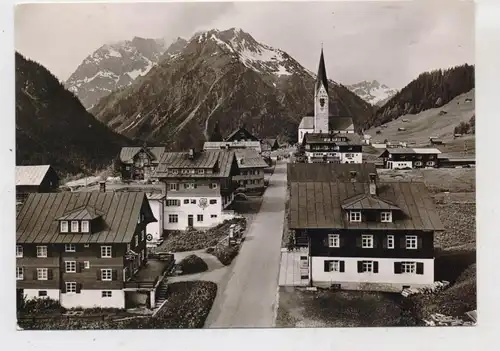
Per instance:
(190,220)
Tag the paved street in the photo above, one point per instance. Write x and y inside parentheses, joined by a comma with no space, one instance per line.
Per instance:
(248,296)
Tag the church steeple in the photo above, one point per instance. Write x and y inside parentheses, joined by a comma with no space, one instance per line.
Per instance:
(321,78)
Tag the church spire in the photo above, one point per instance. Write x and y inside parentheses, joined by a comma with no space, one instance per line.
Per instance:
(321,78)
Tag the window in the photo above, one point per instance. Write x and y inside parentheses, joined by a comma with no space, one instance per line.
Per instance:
(409,267)
(85,226)
(386,216)
(128,246)
(74,226)
(70,287)
(106,274)
(173,186)
(175,171)
(70,266)
(142,235)
(213,202)
(19,251)
(333,240)
(64,226)
(19,273)
(70,248)
(355,216)
(186,201)
(106,251)
(106,293)
(430,163)
(174,202)
(136,240)
(193,201)
(418,163)
(390,241)
(42,293)
(411,241)
(190,186)
(86,264)
(334,266)
(213,216)
(42,274)
(367,267)
(201,171)
(199,218)
(41,251)
(213,186)
(173,218)
(367,241)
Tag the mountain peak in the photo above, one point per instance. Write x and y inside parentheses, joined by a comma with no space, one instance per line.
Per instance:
(372,91)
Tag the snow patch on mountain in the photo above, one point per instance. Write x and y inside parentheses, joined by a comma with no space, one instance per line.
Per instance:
(372,92)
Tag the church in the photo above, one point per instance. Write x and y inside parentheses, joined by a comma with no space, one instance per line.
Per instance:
(321,120)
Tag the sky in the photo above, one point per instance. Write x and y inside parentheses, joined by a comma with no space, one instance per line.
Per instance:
(392,42)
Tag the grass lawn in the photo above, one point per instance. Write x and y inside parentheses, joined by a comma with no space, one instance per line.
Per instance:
(341,308)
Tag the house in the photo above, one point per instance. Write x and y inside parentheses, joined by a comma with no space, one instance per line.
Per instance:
(364,235)
(404,158)
(270,144)
(435,141)
(199,187)
(325,172)
(138,163)
(333,148)
(241,134)
(154,230)
(251,171)
(321,120)
(457,162)
(87,249)
(233,145)
(35,179)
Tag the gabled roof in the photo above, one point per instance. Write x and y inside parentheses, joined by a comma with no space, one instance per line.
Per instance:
(319,205)
(82,213)
(31,175)
(321,78)
(127,153)
(332,138)
(249,159)
(241,130)
(37,221)
(218,145)
(368,202)
(334,123)
(410,151)
(329,172)
(307,122)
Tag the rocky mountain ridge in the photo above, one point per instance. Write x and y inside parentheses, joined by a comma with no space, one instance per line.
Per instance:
(372,92)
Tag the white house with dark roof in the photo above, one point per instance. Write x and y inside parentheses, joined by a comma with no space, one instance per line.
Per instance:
(154,230)
(406,158)
(139,163)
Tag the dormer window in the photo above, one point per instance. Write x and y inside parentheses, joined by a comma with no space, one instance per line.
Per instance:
(64,226)
(201,171)
(386,216)
(85,226)
(74,226)
(354,216)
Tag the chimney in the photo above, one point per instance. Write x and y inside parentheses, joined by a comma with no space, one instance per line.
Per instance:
(102,186)
(191,154)
(353,176)
(373,183)
(242,161)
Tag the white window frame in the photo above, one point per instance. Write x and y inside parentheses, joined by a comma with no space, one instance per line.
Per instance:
(19,273)
(42,274)
(368,239)
(19,251)
(106,251)
(214,185)
(173,186)
(411,242)
(136,240)
(106,274)
(75,224)
(354,216)
(86,264)
(213,216)
(41,251)
(213,202)
(173,218)
(333,240)
(70,266)
(106,293)
(198,218)
(386,216)
(390,241)
(409,267)
(334,266)
(64,227)
(142,235)
(85,226)
(173,202)
(69,248)
(193,201)
(70,287)
(367,267)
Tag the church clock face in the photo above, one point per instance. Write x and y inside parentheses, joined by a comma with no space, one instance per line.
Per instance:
(322,102)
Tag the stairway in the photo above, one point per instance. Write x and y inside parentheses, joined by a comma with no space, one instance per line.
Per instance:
(161,293)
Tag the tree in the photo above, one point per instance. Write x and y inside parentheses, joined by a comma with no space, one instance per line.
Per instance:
(216,134)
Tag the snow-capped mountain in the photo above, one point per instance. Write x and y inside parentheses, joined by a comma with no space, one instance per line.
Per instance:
(372,92)
(223,77)
(117,65)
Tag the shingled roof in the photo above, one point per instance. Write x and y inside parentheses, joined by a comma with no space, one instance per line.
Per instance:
(127,153)
(319,205)
(328,172)
(37,221)
(250,159)
(368,202)
(334,122)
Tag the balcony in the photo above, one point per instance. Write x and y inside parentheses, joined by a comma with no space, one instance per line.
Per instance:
(149,275)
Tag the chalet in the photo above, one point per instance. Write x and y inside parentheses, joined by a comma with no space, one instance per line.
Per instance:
(241,134)
(139,163)
(270,144)
(365,235)
(333,148)
(251,171)
(233,145)
(199,187)
(35,179)
(87,249)
(405,158)
(154,230)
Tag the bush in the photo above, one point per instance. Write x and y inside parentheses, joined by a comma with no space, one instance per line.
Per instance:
(226,254)
(193,264)
(39,306)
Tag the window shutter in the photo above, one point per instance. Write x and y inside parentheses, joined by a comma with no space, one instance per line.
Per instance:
(384,242)
(78,267)
(50,275)
(325,242)
(341,240)
(420,268)
(35,275)
(98,274)
(402,242)
(78,288)
(419,243)
(99,252)
(358,241)
(114,274)
(326,266)
(360,266)
(342,266)
(63,288)
(375,266)
(397,267)
(374,240)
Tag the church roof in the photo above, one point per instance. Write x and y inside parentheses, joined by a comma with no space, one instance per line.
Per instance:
(307,123)
(321,78)
(334,123)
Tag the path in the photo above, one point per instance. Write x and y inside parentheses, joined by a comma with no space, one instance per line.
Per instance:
(248,298)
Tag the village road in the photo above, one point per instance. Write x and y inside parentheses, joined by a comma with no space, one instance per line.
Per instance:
(249,295)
